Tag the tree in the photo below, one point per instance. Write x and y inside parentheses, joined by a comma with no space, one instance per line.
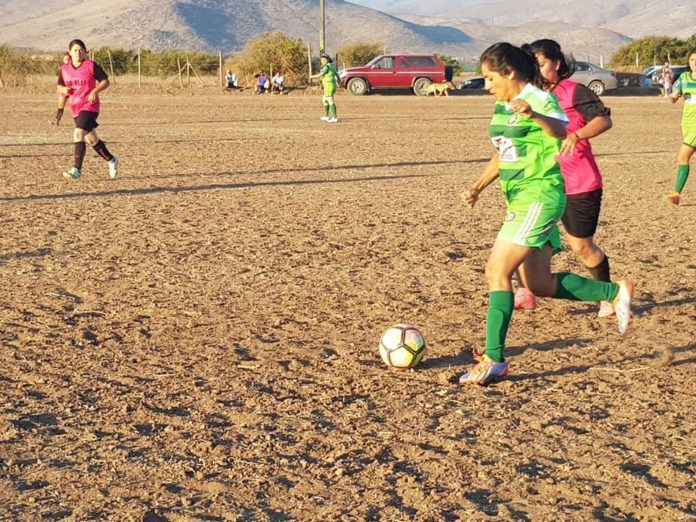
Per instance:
(359,53)
(457,67)
(273,51)
(654,49)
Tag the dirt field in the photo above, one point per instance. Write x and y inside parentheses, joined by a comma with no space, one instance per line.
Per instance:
(197,340)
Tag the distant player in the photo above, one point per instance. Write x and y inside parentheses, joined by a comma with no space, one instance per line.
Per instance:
(526,128)
(81,80)
(329,83)
(588,117)
(685,87)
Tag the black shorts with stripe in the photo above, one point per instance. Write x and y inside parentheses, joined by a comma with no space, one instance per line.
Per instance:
(86,120)
(582,214)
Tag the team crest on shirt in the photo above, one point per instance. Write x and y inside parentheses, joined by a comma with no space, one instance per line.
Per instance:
(510,216)
(513,119)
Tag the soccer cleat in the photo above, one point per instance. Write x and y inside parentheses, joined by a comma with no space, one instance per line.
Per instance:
(622,305)
(476,355)
(324,118)
(674,198)
(72,173)
(113,167)
(485,371)
(605,309)
(524,299)
(332,120)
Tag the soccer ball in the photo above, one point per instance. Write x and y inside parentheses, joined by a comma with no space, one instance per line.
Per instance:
(402,346)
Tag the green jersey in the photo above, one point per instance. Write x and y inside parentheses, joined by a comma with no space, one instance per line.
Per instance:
(526,153)
(686,86)
(328,78)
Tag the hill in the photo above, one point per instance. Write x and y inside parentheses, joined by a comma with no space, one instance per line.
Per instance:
(634,18)
(227,24)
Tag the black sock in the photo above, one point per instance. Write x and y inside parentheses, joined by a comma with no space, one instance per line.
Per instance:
(79,154)
(601,271)
(100,148)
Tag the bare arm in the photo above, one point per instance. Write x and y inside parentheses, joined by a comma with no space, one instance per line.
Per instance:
(551,126)
(102,85)
(490,174)
(595,127)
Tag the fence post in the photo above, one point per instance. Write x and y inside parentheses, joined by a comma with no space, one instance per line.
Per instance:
(309,59)
(139,67)
(111,65)
(178,66)
(601,61)
(220,67)
(188,70)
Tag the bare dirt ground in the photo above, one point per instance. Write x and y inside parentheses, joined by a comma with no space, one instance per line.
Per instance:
(197,340)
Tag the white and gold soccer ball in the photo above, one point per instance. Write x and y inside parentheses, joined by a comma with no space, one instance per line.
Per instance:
(402,346)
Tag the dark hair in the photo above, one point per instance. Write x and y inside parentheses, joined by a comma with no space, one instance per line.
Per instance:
(692,51)
(552,51)
(326,57)
(78,42)
(504,57)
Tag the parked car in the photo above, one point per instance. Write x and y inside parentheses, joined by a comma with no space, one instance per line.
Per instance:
(594,77)
(475,82)
(597,79)
(655,76)
(396,71)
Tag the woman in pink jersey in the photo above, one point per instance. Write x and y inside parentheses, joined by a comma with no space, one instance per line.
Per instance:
(81,80)
(583,183)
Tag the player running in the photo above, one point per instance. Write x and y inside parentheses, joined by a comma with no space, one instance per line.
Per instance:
(81,80)
(685,86)
(328,77)
(526,128)
(588,117)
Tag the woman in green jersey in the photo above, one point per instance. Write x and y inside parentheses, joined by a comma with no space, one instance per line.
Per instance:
(526,128)
(329,84)
(685,87)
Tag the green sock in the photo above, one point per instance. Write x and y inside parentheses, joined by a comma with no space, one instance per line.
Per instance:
(333,110)
(682,176)
(500,305)
(576,288)
(326,110)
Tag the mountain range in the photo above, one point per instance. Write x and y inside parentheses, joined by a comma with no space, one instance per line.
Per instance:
(460,28)
(634,18)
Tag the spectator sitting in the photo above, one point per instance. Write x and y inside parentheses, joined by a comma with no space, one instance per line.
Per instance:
(262,83)
(231,80)
(277,83)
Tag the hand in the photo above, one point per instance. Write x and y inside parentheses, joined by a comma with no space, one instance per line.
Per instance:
(521,107)
(470,197)
(568,144)
(92,96)
(59,115)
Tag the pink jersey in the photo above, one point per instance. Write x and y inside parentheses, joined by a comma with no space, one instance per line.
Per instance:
(579,169)
(81,81)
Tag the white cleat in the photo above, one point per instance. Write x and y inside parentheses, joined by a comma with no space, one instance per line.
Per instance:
(113,167)
(622,305)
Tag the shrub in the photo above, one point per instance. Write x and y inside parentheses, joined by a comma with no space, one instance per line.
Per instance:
(272,52)
(359,53)
(16,68)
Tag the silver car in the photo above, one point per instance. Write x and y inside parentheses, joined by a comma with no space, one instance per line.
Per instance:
(595,78)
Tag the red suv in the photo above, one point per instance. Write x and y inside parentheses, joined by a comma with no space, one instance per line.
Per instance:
(398,71)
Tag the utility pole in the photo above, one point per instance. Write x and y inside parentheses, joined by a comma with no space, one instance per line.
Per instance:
(322,26)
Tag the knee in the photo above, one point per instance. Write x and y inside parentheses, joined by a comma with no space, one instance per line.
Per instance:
(495,276)
(79,135)
(583,249)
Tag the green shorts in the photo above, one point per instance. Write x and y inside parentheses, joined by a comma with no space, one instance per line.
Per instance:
(329,90)
(531,219)
(689,135)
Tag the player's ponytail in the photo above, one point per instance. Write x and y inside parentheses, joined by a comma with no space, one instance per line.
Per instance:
(551,50)
(504,57)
